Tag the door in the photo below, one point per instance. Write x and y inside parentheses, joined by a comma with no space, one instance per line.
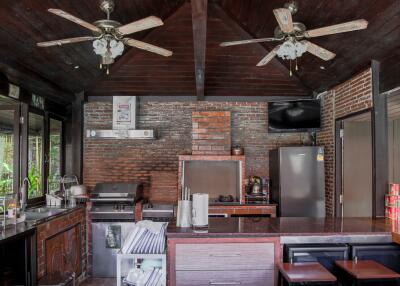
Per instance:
(63,252)
(9,148)
(72,250)
(357,167)
(55,260)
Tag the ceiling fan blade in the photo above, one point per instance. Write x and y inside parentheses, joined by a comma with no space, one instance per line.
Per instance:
(65,41)
(147,47)
(319,51)
(74,19)
(268,57)
(233,43)
(339,28)
(140,25)
(284,18)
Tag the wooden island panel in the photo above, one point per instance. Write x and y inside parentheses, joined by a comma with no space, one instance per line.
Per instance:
(210,261)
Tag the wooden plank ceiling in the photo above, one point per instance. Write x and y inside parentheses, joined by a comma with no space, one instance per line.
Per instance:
(51,71)
(229,71)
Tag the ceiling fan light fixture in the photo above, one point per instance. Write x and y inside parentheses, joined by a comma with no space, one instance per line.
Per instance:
(108,49)
(116,48)
(100,46)
(290,50)
(109,35)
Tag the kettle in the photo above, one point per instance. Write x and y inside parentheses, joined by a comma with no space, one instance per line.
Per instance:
(256,189)
(255,185)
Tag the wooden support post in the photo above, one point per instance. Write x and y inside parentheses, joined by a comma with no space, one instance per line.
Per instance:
(199,24)
(380,143)
(74,138)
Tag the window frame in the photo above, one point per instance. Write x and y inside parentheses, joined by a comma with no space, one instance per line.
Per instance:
(25,139)
(52,116)
(16,150)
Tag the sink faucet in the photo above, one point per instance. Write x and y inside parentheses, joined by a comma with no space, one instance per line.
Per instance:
(26,185)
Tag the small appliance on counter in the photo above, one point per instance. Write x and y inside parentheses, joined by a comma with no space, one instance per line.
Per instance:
(257,191)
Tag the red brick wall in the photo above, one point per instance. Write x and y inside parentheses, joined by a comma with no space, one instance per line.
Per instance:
(138,160)
(55,226)
(164,186)
(349,97)
(211,133)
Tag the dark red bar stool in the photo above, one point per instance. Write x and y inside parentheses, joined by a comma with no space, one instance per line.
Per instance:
(366,270)
(305,273)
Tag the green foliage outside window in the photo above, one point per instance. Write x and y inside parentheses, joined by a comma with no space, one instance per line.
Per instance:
(6,161)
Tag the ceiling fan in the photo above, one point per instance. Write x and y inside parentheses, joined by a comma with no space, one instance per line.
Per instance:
(109,35)
(294,35)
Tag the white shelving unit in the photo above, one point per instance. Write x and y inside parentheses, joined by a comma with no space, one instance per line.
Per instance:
(134,259)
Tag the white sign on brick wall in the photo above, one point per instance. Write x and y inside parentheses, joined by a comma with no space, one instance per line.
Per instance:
(124,112)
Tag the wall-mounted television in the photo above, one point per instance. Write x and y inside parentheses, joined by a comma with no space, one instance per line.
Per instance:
(294,116)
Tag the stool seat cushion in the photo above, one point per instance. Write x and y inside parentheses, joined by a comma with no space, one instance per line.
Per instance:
(305,272)
(366,269)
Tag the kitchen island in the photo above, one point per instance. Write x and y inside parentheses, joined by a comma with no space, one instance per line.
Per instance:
(246,251)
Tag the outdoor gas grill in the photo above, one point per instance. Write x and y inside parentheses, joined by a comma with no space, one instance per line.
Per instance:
(113,217)
(115,201)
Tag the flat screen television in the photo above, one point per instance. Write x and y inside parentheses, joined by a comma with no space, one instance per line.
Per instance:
(294,116)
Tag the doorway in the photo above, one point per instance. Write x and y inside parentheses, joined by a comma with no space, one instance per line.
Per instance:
(354,166)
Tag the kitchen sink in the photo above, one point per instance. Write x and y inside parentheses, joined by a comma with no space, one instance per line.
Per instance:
(42,213)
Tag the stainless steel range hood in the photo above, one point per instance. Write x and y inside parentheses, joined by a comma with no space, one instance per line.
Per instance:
(124,122)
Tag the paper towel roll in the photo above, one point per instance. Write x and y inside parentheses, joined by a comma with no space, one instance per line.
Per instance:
(200,210)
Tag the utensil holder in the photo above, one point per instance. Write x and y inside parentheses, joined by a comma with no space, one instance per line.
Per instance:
(184,216)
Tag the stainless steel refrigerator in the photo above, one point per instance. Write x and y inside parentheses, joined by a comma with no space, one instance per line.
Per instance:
(297,181)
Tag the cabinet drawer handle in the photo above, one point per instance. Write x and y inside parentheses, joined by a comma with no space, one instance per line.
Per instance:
(225,283)
(225,255)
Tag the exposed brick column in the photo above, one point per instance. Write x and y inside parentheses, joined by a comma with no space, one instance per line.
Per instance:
(211,133)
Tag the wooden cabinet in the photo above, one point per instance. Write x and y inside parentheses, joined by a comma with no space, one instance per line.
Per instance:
(223,261)
(63,252)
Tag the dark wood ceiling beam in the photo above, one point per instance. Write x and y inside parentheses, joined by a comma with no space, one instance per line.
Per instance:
(25,78)
(229,20)
(199,25)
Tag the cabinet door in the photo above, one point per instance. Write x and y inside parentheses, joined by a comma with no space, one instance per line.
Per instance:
(55,255)
(72,250)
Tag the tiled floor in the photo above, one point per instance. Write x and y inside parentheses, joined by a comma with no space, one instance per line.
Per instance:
(99,282)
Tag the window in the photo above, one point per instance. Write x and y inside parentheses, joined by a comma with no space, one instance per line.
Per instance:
(35,155)
(30,146)
(6,151)
(55,148)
